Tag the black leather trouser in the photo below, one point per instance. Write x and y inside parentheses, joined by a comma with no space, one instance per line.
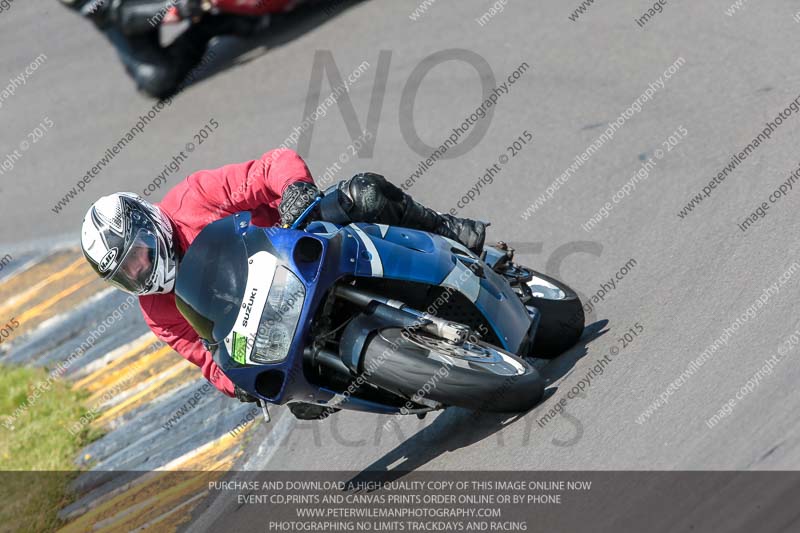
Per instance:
(369,197)
(160,70)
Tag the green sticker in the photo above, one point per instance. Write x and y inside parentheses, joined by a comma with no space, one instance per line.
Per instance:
(239,348)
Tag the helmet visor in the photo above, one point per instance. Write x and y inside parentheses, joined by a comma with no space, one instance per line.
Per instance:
(135,271)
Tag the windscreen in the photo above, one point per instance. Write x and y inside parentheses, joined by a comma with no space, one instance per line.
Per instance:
(211,279)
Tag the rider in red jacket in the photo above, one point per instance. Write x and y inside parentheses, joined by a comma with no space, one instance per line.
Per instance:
(137,246)
(204,197)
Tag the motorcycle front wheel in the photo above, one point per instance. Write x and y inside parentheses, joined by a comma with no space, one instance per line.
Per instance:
(562,319)
(473,375)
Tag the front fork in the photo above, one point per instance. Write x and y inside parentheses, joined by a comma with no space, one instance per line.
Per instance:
(451,332)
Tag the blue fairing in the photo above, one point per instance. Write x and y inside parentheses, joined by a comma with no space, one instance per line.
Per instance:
(360,250)
(407,254)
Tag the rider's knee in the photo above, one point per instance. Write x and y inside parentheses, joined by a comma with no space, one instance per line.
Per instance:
(364,194)
(371,198)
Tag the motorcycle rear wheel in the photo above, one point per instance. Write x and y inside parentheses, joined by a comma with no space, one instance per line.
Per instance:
(475,376)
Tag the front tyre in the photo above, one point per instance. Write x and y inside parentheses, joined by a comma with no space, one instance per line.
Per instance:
(562,318)
(475,376)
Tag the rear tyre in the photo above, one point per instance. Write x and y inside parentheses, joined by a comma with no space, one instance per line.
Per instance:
(475,376)
(562,319)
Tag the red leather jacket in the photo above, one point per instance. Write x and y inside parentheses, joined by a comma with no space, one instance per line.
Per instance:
(253,7)
(204,197)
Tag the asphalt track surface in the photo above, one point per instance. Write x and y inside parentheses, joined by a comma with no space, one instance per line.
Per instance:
(693,277)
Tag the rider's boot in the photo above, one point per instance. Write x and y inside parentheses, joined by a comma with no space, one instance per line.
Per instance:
(470,233)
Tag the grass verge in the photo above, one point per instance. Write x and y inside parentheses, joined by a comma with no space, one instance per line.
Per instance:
(37,451)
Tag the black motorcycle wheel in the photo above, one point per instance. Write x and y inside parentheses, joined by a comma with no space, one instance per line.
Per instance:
(562,319)
(475,376)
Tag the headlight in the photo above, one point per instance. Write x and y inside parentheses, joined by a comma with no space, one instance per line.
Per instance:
(279,319)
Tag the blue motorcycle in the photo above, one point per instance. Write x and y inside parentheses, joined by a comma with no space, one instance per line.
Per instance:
(371,317)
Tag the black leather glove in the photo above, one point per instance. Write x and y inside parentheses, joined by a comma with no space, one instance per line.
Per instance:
(296,198)
(242,395)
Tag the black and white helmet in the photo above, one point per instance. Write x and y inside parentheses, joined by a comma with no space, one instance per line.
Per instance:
(128,242)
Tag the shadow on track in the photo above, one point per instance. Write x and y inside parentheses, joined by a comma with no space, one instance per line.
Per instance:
(562,365)
(227,51)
